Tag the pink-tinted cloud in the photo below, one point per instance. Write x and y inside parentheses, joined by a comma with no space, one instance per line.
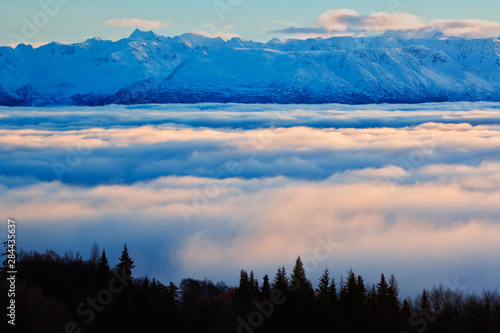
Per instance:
(433,135)
(347,22)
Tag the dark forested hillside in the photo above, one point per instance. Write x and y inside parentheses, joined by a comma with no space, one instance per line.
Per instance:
(66,293)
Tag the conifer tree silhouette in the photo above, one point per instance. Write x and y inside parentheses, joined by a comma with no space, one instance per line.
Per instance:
(324,286)
(126,263)
(265,291)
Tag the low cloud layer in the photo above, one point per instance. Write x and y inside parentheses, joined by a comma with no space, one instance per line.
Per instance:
(347,22)
(428,230)
(96,153)
(209,189)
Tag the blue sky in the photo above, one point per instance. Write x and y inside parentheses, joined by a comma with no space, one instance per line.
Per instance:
(75,21)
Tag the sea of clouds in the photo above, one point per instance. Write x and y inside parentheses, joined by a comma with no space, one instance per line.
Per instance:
(205,190)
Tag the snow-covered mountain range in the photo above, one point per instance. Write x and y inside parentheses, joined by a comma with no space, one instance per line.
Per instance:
(147,68)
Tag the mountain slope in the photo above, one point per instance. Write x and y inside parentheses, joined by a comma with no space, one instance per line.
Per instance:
(147,68)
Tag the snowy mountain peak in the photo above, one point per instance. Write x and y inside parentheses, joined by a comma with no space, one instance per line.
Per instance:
(23,47)
(274,41)
(195,39)
(192,68)
(235,42)
(139,34)
(438,35)
(415,34)
(95,39)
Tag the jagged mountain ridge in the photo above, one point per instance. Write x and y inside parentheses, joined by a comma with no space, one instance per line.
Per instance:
(147,68)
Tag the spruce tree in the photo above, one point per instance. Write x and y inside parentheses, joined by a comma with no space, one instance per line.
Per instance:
(301,298)
(281,281)
(325,315)
(126,263)
(332,291)
(145,283)
(393,294)
(173,292)
(102,263)
(424,301)
(324,286)
(103,273)
(244,290)
(299,278)
(405,310)
(254,284)
(360,289)
(266,288)
(382,293)
(350,299)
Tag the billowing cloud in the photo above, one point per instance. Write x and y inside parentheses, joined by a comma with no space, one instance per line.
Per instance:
(365,220)
(466,28)
(208,189)
(137,23)
(88,149)
(347,22)
(297,139)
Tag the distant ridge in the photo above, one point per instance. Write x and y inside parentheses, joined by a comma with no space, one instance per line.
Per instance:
(191,68)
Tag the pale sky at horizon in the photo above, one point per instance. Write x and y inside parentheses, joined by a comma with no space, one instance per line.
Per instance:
(76,21)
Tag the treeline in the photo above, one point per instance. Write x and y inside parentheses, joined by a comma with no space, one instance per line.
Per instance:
(69,294)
